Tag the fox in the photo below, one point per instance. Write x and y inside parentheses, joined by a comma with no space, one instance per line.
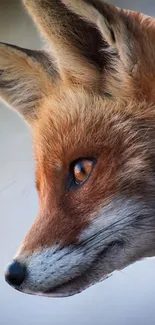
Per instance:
(88,99)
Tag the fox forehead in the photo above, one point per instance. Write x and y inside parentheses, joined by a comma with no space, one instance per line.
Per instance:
(73,124)
(66,123)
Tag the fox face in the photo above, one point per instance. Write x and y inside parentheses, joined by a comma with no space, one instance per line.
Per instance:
(88,99)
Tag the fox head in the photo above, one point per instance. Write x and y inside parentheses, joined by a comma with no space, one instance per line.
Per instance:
(89,100)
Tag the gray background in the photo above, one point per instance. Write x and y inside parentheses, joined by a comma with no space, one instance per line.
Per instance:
(127,297)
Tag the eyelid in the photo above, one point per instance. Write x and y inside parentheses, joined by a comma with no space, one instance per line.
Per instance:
(78,160)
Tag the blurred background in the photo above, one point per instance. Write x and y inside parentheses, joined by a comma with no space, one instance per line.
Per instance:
(128,296)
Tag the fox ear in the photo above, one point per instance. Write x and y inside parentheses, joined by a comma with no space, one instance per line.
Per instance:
(84,34)
(76,45)
(109,20)
(103,15)
(23,78)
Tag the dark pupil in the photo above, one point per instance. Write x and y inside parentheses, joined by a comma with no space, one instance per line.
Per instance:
(82,169)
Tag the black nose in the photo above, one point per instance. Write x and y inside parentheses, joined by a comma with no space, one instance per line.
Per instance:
(15,274)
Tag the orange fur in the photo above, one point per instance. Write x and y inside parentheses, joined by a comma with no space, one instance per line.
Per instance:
(94,100)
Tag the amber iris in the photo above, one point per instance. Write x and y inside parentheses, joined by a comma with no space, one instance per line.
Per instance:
(82,170)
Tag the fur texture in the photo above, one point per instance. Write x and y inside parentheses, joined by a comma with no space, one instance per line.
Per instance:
(92,96)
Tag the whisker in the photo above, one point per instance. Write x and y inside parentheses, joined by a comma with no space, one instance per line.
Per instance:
(118,222)
(105,238)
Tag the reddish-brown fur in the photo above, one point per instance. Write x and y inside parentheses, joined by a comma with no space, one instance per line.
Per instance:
(92,102)
(64,214)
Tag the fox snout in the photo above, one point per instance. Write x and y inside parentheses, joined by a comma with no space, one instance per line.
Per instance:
(109,243)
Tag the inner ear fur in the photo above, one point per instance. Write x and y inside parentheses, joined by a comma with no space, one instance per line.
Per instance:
(89,34)
(25,76)
(77,46)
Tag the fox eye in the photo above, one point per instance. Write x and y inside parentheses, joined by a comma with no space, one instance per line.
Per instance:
(80,171)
